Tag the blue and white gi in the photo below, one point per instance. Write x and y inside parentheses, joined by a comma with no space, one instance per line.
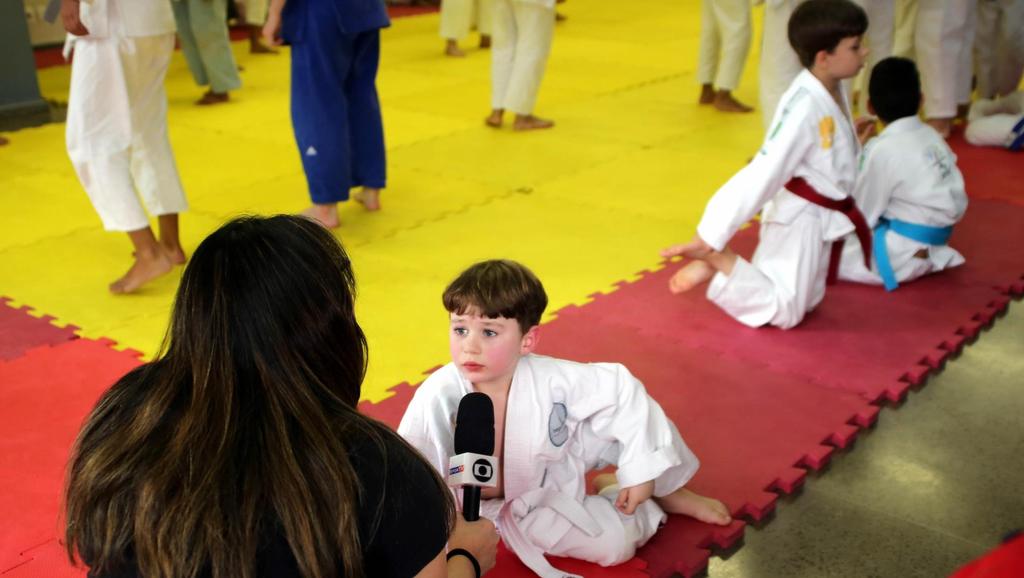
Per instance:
(911,193)
(335,109)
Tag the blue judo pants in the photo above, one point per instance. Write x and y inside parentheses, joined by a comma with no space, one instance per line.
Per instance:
(335,109)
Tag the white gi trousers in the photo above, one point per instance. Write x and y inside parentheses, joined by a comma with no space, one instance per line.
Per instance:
(117,128)
(256,12)
(779,64)
(943,34)
(785,278)
(878,39)
(990,122)
(520,47)
(724,42)
(459,16)
(999,46)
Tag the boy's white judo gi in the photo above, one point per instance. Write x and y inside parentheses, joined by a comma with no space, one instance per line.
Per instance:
(997,123)
(908,182)
(521,42)
(117,111)
(725,31)
(562,420)
(459,16)
(811,138)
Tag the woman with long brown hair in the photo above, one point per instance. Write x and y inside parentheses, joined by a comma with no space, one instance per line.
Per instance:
(239,452)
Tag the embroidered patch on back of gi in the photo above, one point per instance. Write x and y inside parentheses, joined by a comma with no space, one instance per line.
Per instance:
(311,151)
(558,431)
(827,130)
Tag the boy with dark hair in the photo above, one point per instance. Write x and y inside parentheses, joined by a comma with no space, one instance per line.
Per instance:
(554,420)
(800,182)
(908,187)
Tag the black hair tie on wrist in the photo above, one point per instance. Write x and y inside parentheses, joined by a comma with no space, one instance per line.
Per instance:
(463,552)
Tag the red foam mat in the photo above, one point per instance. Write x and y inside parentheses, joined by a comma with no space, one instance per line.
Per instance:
(861,339)
(989,172)
(46,394)
(20,331)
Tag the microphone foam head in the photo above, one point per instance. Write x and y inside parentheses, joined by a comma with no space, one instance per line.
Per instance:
(474,425)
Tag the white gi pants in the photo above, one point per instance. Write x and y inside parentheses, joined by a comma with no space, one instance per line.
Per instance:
(459,16)
(724,42)
(779,64)
(117,129)
(942,44)
(783,281)
(879,40)
(519,53)
(999,46)
(990,122)
(905,266)
(904,19)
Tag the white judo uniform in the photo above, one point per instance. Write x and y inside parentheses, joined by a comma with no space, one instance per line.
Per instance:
(997,122)
(943,49)
(521,42)
(813,138)
(459,16)
(908,174)
(117,111)
(725,31)
(562,420)
(999,46)
(778,64)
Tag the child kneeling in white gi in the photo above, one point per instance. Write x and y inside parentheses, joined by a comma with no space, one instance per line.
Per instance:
(555,420)
(908,187)
(800,180)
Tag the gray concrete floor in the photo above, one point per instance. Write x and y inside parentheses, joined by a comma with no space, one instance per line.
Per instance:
(938,482)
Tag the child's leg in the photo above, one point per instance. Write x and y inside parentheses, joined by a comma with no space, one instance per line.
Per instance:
(150,262)
(455,19)
(689,503)
(152,167)
(733,17)
(503,52)
(369,165)
(707,53)
(784,280)
(535,25)
(484,21)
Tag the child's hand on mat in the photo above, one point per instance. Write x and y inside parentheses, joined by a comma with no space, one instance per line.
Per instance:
(630,498)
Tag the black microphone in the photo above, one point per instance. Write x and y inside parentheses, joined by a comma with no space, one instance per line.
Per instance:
(473,465)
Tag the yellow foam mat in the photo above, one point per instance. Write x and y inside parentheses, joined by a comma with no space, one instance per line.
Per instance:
(626,171)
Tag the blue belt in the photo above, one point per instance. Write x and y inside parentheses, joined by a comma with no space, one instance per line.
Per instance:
(920,233)
(1016,140)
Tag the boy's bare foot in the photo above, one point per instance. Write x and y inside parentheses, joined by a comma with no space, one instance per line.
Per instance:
(485,41)
(3,141)
(176,254)
(708,510)
(451,48)
(212,97)
(326,215)
(690,275)
(369,198)
(260,48)
(707,94)
(147,266)
(725,102)
(941,125)
(559,17)
(530,122)
(494,120)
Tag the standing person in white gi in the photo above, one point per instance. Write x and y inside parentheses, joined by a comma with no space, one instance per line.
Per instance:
(522,35)
(554,420)
(908,187)
(117,126)
(943,41)
(458,17)
(999,47)
(778,64)
(801,178)
(724,44)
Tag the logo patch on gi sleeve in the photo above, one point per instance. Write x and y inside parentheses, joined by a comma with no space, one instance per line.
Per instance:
(827,130)
(558,431)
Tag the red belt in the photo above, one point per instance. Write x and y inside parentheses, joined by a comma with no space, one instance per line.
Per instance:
(800,188)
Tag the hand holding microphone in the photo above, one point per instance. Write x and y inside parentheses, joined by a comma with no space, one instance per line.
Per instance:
(473,466)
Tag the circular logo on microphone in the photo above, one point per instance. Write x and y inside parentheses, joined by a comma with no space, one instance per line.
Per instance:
(482,471)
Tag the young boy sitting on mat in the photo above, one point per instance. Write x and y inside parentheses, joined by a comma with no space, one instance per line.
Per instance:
(800,181)
(908,187)
(555,420)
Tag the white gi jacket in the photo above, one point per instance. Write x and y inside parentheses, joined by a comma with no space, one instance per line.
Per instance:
(562,420)
(811,137)
(907,173)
